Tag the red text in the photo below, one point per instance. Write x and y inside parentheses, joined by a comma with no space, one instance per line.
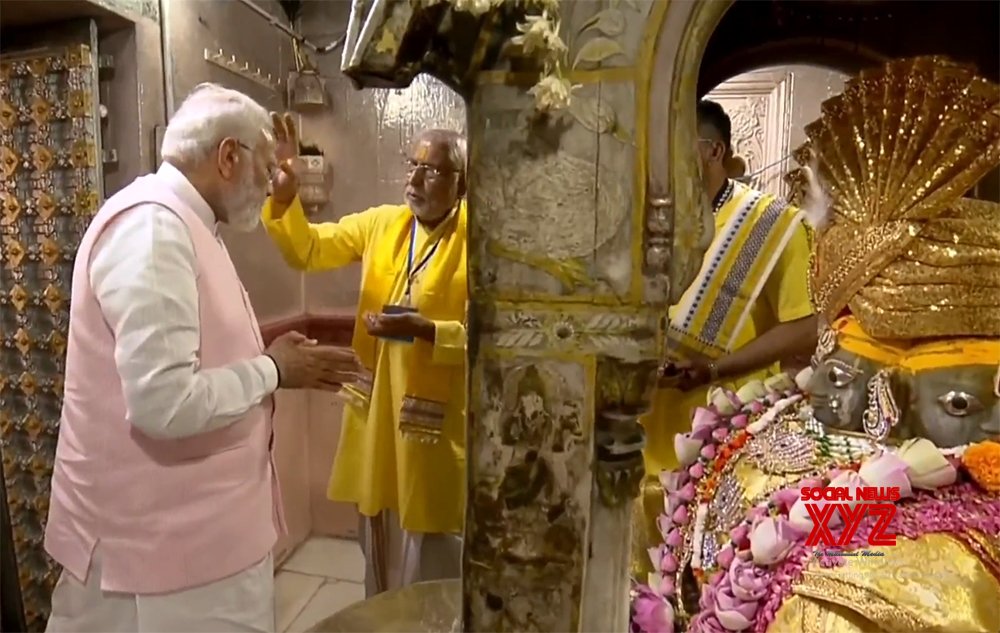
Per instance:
(821,514)
(843,493)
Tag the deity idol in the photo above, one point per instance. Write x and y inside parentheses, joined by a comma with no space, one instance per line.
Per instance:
(904,392)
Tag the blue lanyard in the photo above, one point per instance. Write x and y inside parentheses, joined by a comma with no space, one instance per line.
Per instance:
(411,271)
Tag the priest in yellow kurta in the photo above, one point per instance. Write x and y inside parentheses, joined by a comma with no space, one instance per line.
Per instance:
(401,456)
(747,310)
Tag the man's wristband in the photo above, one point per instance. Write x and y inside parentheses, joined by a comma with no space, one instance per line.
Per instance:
(277,369)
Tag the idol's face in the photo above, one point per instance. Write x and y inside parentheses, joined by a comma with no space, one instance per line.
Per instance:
(953,406)
(950,406)
(838,389)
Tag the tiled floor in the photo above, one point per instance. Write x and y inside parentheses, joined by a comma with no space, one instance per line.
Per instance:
(322,577)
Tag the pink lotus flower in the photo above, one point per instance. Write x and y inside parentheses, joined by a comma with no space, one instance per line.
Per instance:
(687,492)
(800,519)
(674,538)
(697,471)
(665,586)
(886,470)
(704,419)
(668,563)
(757,513)
(749,582)
(756,407)
(660,584)
(673,502)
(850,481)
(706,601)
(927,468)
(739,421)
(771,540)
(656,555)
(725,556)
(664,525)
(672,480)
(681,517)
(708,452)
(653,614)
(724,401)
(706,622)
(720,435)
(733,614)
(740,536)
(686,448)
(751,390)
(786,498)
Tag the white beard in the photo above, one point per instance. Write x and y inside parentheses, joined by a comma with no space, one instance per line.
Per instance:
(243,210)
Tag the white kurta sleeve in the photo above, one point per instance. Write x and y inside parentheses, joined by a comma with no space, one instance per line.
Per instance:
(142,272)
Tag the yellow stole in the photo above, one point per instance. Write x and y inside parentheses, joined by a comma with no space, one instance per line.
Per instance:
(443,296)
(714,309)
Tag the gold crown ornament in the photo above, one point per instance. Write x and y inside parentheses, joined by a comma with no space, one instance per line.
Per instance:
(901,249)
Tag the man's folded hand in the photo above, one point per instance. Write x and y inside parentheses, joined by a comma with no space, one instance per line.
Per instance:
(303,364)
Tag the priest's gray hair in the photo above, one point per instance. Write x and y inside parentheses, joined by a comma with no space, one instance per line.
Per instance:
(210,114)
(457,147)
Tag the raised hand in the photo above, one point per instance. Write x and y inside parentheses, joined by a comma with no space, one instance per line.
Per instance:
(284,182)
(302,364)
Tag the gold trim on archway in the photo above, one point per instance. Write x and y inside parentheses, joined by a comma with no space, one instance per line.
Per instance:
(692,230)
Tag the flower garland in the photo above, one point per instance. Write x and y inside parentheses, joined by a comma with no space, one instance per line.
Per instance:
(718,432)
(766,552)
(539,38)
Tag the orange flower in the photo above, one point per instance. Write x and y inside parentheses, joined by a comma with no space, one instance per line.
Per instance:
(982,460)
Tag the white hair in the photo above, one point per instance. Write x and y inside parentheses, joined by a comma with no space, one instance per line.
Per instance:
(208,115)
(457,146)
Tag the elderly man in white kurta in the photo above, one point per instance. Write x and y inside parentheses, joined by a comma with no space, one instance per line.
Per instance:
(164,502)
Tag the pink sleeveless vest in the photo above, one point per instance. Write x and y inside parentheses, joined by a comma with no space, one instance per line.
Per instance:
(168,514)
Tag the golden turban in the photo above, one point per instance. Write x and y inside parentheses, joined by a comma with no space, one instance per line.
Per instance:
(903,251)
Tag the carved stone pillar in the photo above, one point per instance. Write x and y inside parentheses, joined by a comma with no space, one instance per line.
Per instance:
(568,288)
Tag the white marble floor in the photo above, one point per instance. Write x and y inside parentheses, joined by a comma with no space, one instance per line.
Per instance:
(323,576)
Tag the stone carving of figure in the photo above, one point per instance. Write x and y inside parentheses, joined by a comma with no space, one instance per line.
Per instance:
(530,419)
(903,392)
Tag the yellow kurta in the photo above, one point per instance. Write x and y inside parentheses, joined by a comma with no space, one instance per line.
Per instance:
(376,466)
(784,298)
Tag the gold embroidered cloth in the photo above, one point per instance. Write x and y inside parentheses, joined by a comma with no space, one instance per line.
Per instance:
(49,190)
(934,583)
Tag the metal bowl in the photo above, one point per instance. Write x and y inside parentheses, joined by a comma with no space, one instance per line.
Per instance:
(426,607)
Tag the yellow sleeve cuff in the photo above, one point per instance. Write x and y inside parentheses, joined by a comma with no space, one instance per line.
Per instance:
(449,343)
(293,218)
(290,232)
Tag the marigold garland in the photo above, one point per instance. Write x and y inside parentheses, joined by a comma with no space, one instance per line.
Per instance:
(982,462)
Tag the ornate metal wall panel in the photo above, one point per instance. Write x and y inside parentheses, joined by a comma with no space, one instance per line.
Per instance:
(50,187)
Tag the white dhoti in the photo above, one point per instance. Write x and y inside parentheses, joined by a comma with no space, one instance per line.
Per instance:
(395,557)
(242,602)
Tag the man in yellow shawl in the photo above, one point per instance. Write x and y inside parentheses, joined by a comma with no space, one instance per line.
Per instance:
(747,310)
(401,456)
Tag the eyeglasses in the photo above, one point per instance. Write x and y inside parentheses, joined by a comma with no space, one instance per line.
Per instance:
(429,171)
(271,169)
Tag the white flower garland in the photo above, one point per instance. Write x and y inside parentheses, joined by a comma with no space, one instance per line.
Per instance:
(539,37)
